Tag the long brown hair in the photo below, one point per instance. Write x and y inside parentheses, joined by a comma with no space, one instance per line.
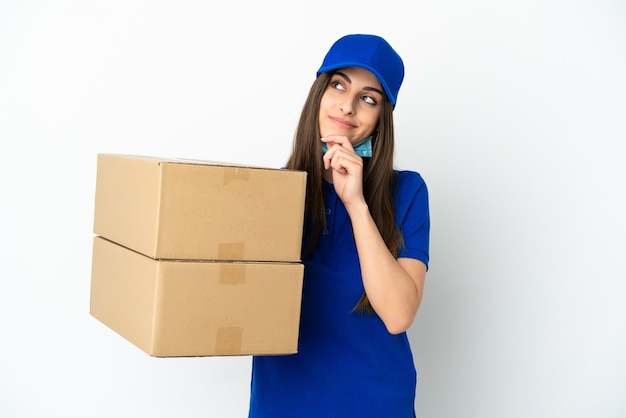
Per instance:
(379,177)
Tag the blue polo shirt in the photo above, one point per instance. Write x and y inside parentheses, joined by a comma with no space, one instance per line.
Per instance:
(347,365)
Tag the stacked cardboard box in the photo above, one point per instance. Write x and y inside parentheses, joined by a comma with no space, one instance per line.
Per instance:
(197,258)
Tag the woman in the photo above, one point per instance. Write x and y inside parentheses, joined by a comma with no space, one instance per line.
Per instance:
(365,249)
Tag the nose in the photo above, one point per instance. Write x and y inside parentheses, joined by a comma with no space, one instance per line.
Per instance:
(347,105)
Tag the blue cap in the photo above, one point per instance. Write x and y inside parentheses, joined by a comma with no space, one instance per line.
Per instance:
(372,53)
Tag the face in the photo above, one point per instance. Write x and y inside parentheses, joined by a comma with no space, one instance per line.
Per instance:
(351,104)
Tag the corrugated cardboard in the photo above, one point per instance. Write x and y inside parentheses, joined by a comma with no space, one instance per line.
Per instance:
(199,210)
(196,308)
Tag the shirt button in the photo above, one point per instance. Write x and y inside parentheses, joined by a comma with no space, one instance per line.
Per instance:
(328,211)
(325,232)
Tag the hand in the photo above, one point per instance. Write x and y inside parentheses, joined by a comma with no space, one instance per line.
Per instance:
(347,169)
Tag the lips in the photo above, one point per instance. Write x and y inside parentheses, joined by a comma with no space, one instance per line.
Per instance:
(342,122)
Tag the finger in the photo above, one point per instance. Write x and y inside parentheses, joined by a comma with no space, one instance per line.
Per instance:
(334,139)
(344,161)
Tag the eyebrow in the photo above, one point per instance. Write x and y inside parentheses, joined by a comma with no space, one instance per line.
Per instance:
(364,88)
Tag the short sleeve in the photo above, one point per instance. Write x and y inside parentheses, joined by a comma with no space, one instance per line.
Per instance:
(413,216)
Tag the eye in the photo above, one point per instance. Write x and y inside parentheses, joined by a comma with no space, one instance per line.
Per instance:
(337,85)
(369,100)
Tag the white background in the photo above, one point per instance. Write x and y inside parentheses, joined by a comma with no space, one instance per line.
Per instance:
(513,111)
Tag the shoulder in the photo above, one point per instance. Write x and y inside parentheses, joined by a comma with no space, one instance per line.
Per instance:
(413,215)
(410,183)
(411,195)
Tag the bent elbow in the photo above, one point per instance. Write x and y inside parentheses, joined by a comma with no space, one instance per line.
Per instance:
(398,326)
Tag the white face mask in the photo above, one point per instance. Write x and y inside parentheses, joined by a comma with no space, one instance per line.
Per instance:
(363,148)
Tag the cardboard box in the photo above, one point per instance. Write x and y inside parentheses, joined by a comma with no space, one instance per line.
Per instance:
(199,210)
(196,308)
